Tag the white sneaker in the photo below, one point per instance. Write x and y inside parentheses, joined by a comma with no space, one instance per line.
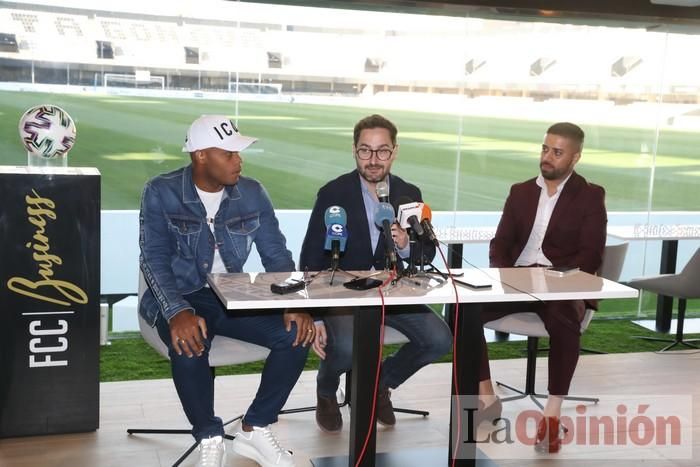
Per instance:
(262,446)
(212,452)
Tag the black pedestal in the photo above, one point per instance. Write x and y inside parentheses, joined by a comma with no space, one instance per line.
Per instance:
(49,300)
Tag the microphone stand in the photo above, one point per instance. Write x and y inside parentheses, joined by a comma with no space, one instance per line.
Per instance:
(400,270)
(422,258)
(412,240)
(333,269)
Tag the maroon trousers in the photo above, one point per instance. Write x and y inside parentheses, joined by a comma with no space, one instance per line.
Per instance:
(562,319)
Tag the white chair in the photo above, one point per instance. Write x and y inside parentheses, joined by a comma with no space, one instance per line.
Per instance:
(530,325)
(224,351)
(684,285)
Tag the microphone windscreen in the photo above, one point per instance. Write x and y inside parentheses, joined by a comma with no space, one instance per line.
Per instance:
(336,232)
(335,215)
(384,212)
(427,213)
(382,189)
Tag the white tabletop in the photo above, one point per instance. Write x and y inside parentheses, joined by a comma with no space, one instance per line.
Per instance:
(252,290)
(655,231)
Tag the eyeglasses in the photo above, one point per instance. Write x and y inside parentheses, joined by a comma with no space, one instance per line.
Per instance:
(383,154)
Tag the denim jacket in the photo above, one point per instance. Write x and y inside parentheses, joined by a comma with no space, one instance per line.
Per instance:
(177,246)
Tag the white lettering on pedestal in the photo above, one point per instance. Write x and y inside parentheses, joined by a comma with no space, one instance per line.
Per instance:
(48,340)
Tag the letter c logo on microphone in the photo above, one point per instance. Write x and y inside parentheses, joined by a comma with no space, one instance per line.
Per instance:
(335,215)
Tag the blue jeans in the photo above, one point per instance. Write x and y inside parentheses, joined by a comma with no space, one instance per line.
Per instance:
(429,339)
(193,378)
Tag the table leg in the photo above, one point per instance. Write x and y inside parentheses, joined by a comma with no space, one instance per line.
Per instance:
(367,323)
(664,304)
(466,370)
(454,260)
(364,370)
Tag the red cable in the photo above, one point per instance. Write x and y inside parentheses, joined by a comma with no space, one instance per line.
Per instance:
(392,276)
(454,361)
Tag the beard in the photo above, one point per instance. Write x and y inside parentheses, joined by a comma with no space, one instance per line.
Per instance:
(550,173)
(373,173)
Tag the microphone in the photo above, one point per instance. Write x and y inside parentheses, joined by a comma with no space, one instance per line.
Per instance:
(410,215)
(384,217)
(335,215)
(426,216)
(336,233)
(382,189)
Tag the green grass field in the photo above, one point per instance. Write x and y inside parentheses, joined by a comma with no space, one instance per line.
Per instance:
(612,336)
(302,146)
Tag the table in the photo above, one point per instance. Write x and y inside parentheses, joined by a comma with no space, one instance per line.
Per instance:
(252,291)
(669,234)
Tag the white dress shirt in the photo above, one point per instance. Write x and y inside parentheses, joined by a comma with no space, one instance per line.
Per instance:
(532,253)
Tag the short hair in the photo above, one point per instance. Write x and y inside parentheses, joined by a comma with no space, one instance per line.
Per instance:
(568,130)
(374,121)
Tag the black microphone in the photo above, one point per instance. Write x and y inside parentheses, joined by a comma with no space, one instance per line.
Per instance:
(426,216)
(382,189)
(383,217)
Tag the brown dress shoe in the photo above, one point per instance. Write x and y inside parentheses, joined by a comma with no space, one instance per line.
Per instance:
(328,416)
(549,435)
(385,410)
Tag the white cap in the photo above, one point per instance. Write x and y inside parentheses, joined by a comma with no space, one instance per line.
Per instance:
(215,131)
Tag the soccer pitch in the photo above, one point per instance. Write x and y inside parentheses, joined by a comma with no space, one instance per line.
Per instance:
(301,147)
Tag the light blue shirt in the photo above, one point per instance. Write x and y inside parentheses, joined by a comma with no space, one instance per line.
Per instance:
(371,205)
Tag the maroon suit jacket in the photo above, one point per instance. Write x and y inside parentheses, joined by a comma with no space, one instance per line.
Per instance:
(576,232)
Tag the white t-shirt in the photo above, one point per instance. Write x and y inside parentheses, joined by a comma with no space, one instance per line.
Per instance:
(211,202)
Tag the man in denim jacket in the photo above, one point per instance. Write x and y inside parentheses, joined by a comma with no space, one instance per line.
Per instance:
(204,218)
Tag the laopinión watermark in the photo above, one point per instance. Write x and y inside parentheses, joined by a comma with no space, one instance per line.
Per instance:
(629,427)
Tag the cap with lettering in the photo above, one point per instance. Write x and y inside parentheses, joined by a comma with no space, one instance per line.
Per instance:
(215,131)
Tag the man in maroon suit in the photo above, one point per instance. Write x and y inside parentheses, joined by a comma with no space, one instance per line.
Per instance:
(555,219)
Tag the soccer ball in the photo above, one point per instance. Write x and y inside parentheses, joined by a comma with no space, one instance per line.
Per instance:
(47,131)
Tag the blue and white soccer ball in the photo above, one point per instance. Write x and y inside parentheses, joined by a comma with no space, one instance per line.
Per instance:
(47,131)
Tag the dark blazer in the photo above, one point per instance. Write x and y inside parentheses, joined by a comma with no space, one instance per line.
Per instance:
(576,232)
(346,192)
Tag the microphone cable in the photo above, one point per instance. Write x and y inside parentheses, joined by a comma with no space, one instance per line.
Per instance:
(455,379)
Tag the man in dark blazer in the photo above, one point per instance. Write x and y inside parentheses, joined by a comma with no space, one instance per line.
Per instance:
(374,150)
(555,219)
